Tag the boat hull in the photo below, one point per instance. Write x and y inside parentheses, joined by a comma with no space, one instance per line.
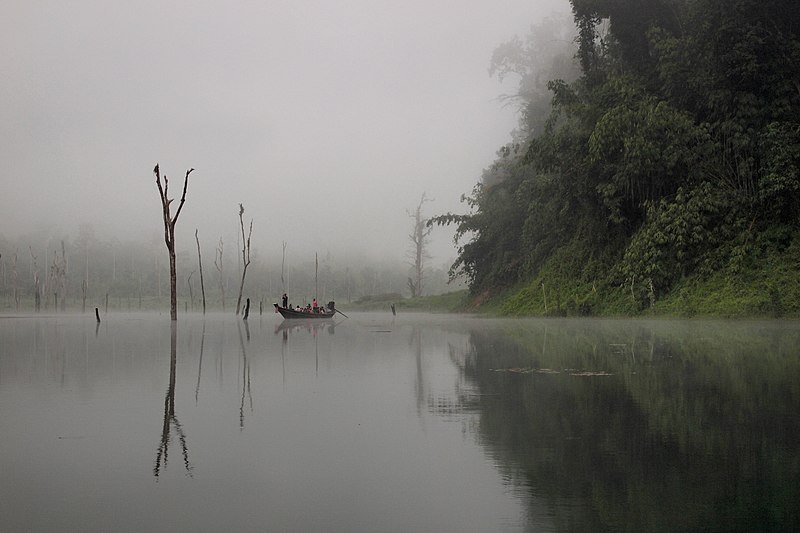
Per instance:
(292,314)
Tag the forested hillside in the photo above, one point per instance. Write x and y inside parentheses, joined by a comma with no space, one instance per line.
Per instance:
(665,177)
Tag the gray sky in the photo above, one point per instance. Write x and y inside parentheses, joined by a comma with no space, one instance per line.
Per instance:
(327,119)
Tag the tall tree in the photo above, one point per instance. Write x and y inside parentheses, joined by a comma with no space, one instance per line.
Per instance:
(283,267)
(245,254)
(14,280)
(419,251)
(220,270)
(36,283)
(169,233)
(200,264)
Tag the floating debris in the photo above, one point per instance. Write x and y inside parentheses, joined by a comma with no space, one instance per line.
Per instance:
(526,370)
(570,371)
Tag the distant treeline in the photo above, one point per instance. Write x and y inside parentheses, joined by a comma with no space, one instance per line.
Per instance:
(88,272)
(670,160)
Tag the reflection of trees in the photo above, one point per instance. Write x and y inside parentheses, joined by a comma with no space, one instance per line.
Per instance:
(419,383)
(170,419)
(700,430)
(245,380)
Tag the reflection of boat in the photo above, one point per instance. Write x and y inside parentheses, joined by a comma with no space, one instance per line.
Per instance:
(312,326)
(292,313)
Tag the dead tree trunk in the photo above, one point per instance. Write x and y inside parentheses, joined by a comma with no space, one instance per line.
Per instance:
(169,234)
(245,255)
(54,278)
(14,280)
(37,296)
(419,251)
(191,292)
(200,263)
(283,268)
(63,282)
(219,266)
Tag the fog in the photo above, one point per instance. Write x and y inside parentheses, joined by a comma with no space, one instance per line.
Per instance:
(327,120)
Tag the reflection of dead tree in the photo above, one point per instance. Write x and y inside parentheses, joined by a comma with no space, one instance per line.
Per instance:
(245,380)
(170,420)
(219,266)
(245,255)
(419,385)
(200,264)
(169,234)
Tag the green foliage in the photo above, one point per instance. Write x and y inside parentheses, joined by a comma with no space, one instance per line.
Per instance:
(780,184)
(766,286)
(674,156)
(677,236)
(643,149)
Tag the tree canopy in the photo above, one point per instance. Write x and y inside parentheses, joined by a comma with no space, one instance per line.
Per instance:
(675,149)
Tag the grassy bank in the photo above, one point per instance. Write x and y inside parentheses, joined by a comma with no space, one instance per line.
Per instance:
(451,302)
(766,284)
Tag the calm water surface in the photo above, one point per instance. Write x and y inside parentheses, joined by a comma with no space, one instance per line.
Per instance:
(414,423)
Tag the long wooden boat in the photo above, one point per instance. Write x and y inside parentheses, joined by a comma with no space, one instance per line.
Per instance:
(293,314)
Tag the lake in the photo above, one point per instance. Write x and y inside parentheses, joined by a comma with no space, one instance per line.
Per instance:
(419,422)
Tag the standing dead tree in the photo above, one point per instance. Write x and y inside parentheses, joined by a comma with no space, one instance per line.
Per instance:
(191,291)
(245,255)
(58,276)
(15,280)
(169,234)
(419,251)
(283,268)
(219,266)
(37,295)
(200,263)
